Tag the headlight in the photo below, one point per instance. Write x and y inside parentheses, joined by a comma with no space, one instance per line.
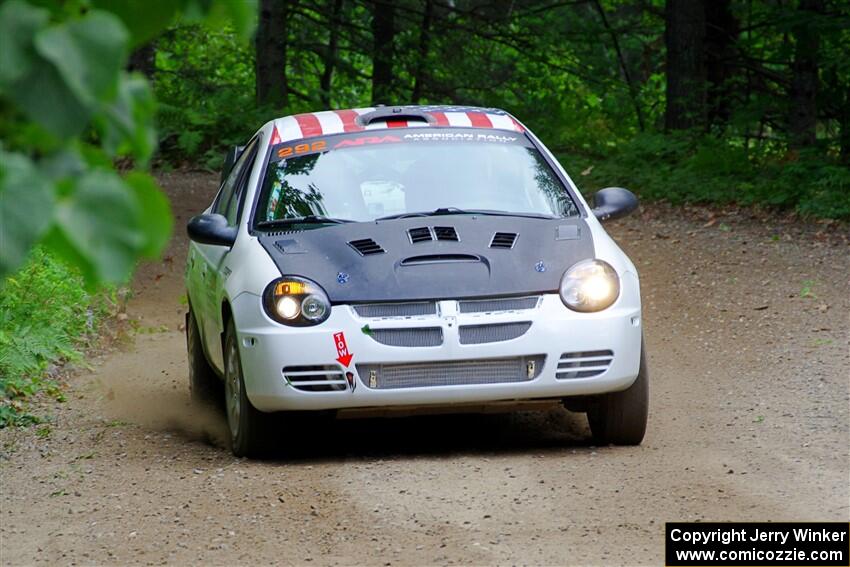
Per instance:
(296,301)
(590,285)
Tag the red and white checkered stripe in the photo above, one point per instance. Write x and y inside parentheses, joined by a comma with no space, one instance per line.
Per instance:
(328,122)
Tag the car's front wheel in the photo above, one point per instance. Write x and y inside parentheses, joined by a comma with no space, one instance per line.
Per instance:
(619,418)
(204,385)
(248,426)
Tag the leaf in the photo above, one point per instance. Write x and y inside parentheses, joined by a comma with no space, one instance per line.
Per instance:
(241,14)
(26,209)
(127,123)
(156,219)
(98,227)
(18,23)
(89,54)
(144,19)
(45,98)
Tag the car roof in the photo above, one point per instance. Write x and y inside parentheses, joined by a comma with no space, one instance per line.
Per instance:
(312,124)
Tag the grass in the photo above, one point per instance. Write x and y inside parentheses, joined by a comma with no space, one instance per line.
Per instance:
(46,318)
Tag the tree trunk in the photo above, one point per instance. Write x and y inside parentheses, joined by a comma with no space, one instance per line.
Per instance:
(143,60)
(326,81)
(802,121)
(684,36)
(383,34)
(271,42)
(721,34)
(424,48)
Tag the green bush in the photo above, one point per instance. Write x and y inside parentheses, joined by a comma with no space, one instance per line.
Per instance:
(46,316)
(706,169)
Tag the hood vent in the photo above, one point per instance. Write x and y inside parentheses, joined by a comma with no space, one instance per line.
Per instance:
(366,247)
(439,259)
(419,234)
(427,234)
(503,240)
(447,233)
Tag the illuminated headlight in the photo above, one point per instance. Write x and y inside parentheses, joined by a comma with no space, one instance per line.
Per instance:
(590,285)
(296,301)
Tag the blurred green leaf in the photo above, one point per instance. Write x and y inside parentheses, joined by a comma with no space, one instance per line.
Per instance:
(127,123)
(18,24)
(241,14)
(98,227)
(26,209)
(89,54)
(144,19)
(157,221)
(45,98)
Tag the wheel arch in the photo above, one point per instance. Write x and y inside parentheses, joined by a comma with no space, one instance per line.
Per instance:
(226,316)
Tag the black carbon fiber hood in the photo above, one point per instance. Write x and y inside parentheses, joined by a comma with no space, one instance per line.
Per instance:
(417,258)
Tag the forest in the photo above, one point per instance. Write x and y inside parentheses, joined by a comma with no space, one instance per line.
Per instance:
(716,102)
(699,100)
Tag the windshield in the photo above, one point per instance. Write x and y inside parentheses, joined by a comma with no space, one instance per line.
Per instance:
(369,175)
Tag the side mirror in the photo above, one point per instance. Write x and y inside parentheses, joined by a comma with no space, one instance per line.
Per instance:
(233,153)
(211,229)
(613,203)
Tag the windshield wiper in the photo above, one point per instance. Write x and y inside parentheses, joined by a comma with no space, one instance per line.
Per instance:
(309,219)
(455,211)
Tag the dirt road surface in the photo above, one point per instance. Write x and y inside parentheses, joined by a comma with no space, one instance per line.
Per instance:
(747,335)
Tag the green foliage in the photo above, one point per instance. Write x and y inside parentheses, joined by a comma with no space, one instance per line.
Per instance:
(45,316)
(68,110)
(205,92)
(706,169)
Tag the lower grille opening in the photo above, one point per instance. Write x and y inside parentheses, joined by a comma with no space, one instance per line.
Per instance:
(451,373)
(583,364)
(320,378)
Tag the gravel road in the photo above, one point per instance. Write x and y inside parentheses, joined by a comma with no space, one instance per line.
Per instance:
(747,333)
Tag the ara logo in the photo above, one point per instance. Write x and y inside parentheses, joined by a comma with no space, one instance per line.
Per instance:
(367,140)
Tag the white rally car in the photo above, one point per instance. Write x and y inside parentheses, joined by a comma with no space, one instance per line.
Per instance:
(406,258)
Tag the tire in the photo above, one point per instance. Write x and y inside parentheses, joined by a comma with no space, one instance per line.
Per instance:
(248,426)
(204,384)
(619,418)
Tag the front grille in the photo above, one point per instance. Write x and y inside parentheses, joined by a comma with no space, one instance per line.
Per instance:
(408,309)
(415,337)
(491,305)
(451,373)
(583,364)
(322,378)
(493,333)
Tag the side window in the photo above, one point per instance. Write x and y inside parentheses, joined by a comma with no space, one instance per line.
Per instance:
(235,204)
(228,198)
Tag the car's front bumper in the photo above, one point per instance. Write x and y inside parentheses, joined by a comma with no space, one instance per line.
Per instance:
(267,348)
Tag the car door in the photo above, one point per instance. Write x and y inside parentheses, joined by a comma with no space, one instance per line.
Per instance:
(209,258)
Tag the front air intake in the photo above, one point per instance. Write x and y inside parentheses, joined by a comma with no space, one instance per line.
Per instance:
(583,364)
(366,247)
(503,240)
(318,378)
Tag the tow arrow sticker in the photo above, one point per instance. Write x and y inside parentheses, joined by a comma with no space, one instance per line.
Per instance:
(343,356)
